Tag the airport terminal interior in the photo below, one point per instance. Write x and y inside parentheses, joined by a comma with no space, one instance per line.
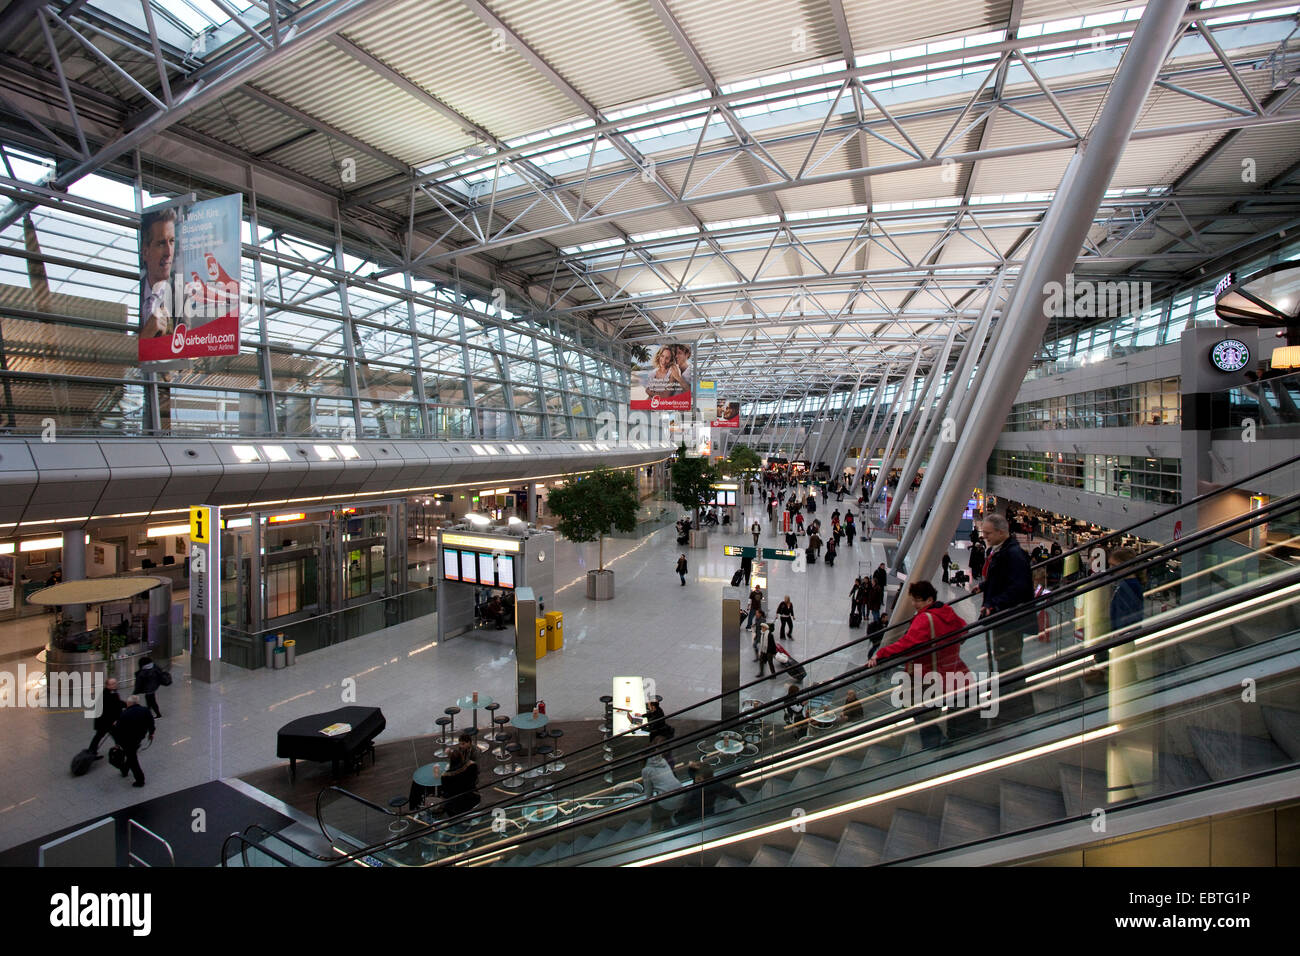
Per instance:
(673,433)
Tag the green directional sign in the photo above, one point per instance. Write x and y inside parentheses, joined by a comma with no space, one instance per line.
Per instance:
(779,554)
(734,551)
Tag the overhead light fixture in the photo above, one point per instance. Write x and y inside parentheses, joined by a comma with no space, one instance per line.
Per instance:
(286,519)
(163,530)
(325,453)
(1286,357)
(348,452)
(7,547)
(44,544)
(275,453)
(481,520)
(245,453)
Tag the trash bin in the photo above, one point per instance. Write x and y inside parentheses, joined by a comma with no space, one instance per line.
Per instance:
(269,642)
(554,630)
(279,657)
(541,637)
(290,648)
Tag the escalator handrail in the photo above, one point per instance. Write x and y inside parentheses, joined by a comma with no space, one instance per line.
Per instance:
(983,625)
(1121,638)
(980,628)
(244,844)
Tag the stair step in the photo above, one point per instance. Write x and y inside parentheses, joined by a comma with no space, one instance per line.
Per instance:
(1205,649)
(843,766)
(814,851)
(1284,726)
(771,856)
(860,845)
(726,860)
(1082,789)
(1178,772)
(880,753)
(965,820)
(910,833)
(1225,755)
(1023,805)
(807,777)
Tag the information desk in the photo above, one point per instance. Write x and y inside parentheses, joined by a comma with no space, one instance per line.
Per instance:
(302,739)
(629,695)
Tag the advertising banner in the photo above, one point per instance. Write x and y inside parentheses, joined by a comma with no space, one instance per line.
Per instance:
(6,582)
(728,414)
(706,395)
(189,280)
(665,384)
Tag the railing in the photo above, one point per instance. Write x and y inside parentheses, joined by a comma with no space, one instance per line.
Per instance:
(763,729)
(244,648)
(1267,403)
(134,859)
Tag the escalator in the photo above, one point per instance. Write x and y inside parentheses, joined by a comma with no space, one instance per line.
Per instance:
(1114,721)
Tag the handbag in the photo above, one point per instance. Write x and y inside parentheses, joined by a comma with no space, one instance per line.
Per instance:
(166,678)
(117,757)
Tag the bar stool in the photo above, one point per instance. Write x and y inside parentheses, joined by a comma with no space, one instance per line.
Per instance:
(543,751)
(502,726)
(500,752)
(451,712)
(442,723)
(556,764)
(491,731)
(607,727)
(401,824)
(513,778)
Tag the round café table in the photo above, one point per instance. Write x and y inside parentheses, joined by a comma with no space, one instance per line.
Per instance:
(424,780)
(468,703)
(529,722)
(728,746)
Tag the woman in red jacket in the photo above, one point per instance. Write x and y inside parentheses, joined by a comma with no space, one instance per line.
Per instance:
(934,622)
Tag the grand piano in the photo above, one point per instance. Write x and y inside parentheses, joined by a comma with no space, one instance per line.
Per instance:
(303,739)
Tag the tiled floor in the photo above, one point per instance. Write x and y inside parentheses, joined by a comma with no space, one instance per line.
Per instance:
(653,627)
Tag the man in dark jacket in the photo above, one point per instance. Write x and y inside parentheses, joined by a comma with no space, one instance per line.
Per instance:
(148,678)
(881,576)
(130,730)
(108,714)
(1008,584)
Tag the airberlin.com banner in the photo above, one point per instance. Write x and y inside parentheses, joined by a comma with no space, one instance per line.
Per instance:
(728,415)
(665,385)
(189,280)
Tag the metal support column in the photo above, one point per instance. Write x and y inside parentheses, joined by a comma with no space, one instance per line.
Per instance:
(887,459)
(263,350)
(964,390)
(916,442)
(1055,250)
(864,451)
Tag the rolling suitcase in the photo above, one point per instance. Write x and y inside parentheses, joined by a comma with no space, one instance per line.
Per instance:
(737,578)
(83,761)
(117,757)
(855,619)
(811,555)
(793,667)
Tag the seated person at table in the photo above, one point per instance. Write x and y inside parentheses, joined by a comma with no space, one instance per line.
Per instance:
(657,777)
(458,784)
(655,723)
(494,611)
(704,800)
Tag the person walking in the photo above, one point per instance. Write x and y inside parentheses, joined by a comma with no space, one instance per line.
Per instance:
(798,521)
(755,604)
(858,595)
(657,777)
(111,710)
(881,576)
(134,724)
(681,569)
(815,542)
(148,678)
(947,563)
(767,650)
(875,597)
(978,555)
(785,612)
(747,568)
(756,529)
(1008,584)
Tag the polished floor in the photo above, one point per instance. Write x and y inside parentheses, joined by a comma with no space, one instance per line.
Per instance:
(654,628)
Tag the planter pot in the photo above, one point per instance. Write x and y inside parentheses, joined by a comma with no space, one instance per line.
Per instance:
(600,585)
(699,539)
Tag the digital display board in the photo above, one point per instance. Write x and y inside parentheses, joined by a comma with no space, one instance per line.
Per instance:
(505,571)
(451,564)
(468,569)
(487,570)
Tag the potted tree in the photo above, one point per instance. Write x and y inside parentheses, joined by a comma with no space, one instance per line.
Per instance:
(591,507)
(691,480)
(744,463)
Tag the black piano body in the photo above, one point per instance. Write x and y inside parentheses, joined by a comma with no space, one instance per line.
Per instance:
(302,739)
